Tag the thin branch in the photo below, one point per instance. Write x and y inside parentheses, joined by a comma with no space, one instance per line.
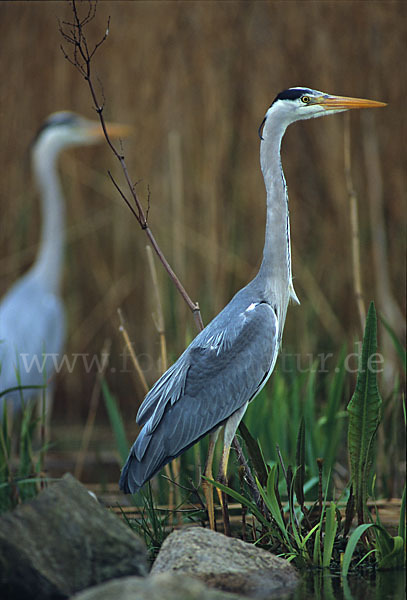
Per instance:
(81,59)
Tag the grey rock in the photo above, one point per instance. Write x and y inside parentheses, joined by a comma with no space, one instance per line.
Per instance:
(226,563)
(62,542)
(164,586)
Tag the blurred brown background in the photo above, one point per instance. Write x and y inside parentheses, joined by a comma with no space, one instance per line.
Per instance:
(194,79)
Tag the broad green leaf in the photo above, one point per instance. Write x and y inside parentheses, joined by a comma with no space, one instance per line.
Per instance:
(395,558)
(390,549)
(364,416)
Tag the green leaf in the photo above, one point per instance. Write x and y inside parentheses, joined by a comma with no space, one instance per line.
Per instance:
(250,505)
(364,416)
(270,499)
(255,453)
(390,549)
(331,525)
(299,478)
(317,549)
(351,545)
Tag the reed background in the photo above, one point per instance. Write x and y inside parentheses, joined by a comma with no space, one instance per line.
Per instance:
(194,79)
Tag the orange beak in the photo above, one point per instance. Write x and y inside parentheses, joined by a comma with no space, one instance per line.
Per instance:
(114,130)
(345,103)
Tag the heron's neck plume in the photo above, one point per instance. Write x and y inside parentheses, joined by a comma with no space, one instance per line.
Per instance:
(275,270)
(49,259)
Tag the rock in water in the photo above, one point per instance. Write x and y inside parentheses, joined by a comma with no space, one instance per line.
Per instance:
(62,542)
(225,563)
(164,586)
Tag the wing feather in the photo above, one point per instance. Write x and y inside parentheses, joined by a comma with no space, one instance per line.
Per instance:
(222,369)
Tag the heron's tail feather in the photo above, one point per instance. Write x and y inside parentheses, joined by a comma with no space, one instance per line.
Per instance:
(141,465)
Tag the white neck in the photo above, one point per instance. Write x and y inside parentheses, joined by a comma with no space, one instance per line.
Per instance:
(275,270)
(49,258)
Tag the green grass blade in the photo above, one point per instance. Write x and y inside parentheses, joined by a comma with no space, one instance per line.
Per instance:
(402,520)
(331,525)
(351,545)
(250,505)
(396,342)
(116,422)
(333,425)
(299,478)
(271,501)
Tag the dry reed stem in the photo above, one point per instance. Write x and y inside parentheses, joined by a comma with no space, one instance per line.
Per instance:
(93,406)
(158,315)
(354,223)
(173,470)
(133,356)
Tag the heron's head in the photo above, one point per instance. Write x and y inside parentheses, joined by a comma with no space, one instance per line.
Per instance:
(300,103)
(65,129)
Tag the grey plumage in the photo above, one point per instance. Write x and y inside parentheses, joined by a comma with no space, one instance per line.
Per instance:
(228,363)
(218,373)
(32,321)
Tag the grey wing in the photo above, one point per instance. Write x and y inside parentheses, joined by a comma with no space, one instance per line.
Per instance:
(223,368)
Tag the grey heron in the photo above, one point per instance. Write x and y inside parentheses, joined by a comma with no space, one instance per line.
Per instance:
(32,322)
(231,359)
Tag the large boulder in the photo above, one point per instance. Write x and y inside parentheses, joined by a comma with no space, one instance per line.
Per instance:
(225,563)
(164,586)
(64,541)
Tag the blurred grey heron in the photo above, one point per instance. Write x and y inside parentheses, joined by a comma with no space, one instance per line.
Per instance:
(32,318)
(231,359)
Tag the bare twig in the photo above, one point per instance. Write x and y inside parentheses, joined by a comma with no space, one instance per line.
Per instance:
(81,58)
(133,356)
(354,223)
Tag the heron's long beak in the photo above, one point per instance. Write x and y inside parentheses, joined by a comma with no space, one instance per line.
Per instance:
(114,130)
(345,103)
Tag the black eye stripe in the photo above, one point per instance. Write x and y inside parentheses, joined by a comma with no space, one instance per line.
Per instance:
(292,94)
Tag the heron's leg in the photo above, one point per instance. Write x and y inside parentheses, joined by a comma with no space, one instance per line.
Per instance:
(229,433)
(206,486)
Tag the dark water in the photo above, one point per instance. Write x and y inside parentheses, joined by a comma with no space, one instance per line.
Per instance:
(384,585)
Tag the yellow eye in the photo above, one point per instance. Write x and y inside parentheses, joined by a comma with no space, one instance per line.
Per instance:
(306,99)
